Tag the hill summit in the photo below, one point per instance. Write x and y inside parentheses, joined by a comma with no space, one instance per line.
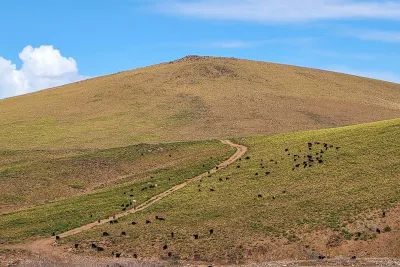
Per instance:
(196,97)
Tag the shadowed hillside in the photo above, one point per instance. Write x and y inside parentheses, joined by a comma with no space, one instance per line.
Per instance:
(192,98)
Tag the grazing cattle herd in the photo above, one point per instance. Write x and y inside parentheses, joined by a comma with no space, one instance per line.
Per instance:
(315,156)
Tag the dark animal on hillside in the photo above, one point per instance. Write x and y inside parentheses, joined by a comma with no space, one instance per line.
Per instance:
(321,257)
(297,165)
(248,157)
(123,233)
(310,144)
(134,223)
(57,237)
(238,166)
(169,254)
(111,222)
(268,173)
(317,143)
(256,173)
(196,236)
(212,189)
(172,234)
(320,161)
(353,257)
(165,246)
(91,215)
(100,249)
(117,254)
(383,214)
(286,149)
(135,256)
(131,189)
(338,147)
(227,178)
(216,168)
(160,218)
(76,245)
(98,220)
(105,234)
(147,221)
(259,196)
(220,179)
(378,230)
(131,195)
(211,231)
(53,234)
(94,245)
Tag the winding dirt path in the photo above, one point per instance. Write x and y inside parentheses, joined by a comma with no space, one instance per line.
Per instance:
(46,247)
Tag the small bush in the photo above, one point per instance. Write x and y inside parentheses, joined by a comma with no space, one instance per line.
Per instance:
(387,229)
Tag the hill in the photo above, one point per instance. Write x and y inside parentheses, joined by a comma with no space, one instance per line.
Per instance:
(302,195)
(192,98)
(265,207)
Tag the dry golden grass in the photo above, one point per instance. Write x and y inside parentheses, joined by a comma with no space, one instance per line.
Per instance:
(192,98)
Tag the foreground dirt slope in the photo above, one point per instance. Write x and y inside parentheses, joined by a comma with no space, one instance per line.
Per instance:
(193,98)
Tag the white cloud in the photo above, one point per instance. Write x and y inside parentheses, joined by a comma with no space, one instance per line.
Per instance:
(42,67)
(376,35)
(282,10)
(380,75)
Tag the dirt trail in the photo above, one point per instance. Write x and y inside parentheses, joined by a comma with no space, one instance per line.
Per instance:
(47,248)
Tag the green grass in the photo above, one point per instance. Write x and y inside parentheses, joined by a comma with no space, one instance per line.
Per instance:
(359,178)
(35,177)
(60,216)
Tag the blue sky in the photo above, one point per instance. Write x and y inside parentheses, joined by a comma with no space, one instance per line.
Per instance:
(47,43)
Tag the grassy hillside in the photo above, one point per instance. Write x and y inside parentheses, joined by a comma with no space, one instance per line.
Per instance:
(192,98)
(147,170)
(292,212)
(34,177)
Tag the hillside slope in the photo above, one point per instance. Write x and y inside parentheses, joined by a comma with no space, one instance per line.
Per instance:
(292,196)
(192,98)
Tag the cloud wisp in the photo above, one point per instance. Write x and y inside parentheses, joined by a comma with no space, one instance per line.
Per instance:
(376,35)
(273,11)
(42,67)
